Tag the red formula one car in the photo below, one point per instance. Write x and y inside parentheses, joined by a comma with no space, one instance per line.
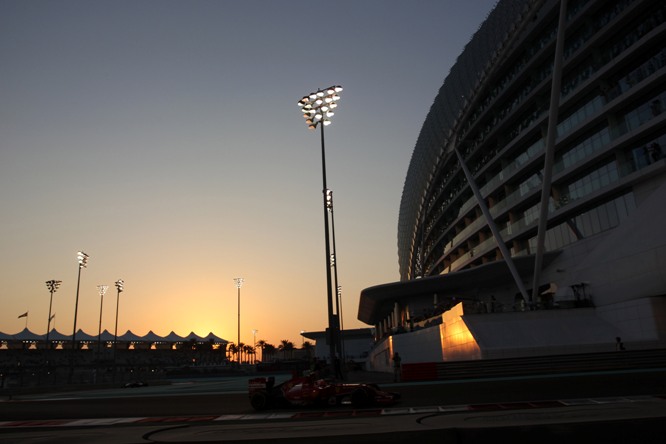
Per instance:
(312,391)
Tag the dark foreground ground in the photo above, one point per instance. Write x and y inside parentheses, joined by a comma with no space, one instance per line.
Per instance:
(603,407)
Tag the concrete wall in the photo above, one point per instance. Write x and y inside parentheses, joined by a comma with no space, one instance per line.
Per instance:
(419,346)
(379,358)
(630,261)
(450,340)
(641,324)
(638,320)
(458,343)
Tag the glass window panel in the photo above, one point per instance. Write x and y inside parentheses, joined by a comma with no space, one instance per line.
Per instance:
(613,220)
(621,206)
(587,227)
(594,221)
(604,221)
(630,202)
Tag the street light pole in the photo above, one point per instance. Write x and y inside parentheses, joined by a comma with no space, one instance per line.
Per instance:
(102,290)
(317,108)
(239,283)
(52,285)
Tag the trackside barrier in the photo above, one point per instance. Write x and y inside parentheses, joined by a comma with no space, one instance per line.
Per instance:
(584,362)
(426,371)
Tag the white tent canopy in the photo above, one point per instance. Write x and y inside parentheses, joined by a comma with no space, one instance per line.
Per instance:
(26,335)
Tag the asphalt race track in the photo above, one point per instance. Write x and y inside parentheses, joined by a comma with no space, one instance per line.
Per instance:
(576,408)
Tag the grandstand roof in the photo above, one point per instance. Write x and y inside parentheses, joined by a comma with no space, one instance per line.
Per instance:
(56,336)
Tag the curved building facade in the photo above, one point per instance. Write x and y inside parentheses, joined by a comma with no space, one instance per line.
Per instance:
(471,225)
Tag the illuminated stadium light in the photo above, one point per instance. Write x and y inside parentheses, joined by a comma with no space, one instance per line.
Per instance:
(317,106)
(82,258)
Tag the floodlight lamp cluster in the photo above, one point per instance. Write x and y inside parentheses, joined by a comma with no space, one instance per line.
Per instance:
(329,200)
(53,285)
(82,258)
(318,106)
(239,282)
(102,289)
(120,284)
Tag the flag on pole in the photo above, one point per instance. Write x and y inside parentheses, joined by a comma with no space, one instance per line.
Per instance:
(24,315)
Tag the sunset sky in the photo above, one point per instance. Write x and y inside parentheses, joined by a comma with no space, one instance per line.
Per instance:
(163,138)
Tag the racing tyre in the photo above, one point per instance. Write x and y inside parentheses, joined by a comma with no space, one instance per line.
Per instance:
(360,398)
(259,401)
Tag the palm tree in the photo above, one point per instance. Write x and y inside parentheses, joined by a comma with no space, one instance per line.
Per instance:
(269,349)
(249,351)
(232,350)
(286,346)
(239,350)
(261,344)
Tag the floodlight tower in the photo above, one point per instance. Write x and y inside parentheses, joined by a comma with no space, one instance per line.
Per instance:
(102,290)
(52,285)
(317,108)
(120,285)
(83,263)
(239,283)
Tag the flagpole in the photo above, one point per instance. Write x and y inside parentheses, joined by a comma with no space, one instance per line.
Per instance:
(24,315)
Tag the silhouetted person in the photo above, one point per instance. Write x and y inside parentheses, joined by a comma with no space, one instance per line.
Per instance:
(619,345)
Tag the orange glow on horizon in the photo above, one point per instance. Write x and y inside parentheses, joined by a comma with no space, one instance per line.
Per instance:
(180,307)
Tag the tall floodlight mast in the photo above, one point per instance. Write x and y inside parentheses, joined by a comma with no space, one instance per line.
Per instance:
(318,108)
